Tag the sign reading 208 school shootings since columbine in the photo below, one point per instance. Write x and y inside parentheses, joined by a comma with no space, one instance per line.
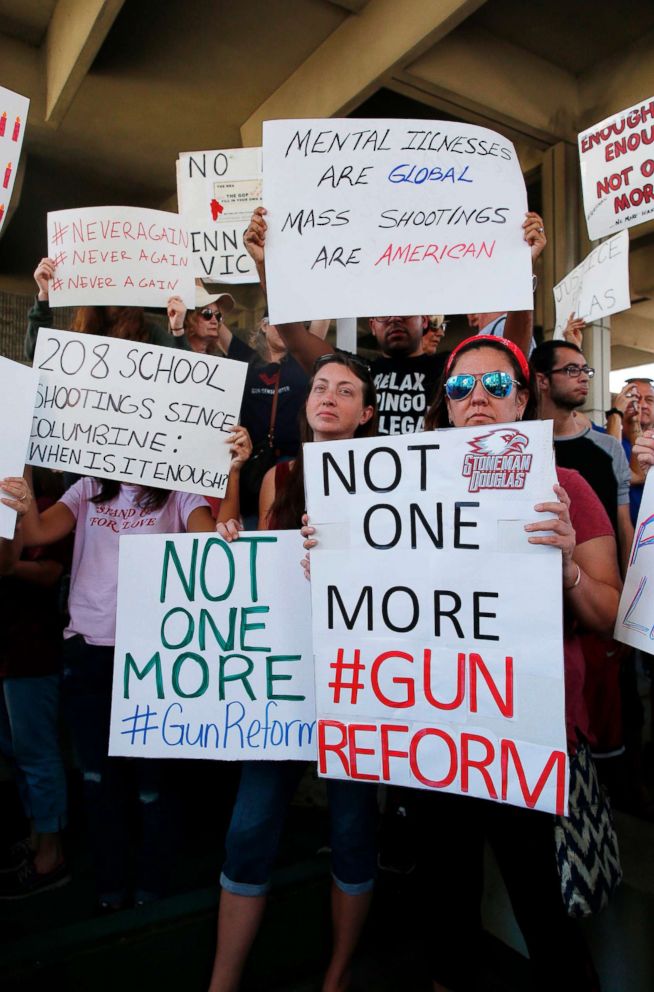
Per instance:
(213,649)
(134,412)
(437,627)
(635,622)
(388,216)
(17,392)
(13,117)
(597,287)
(617,170)
(119,256)
(216,193)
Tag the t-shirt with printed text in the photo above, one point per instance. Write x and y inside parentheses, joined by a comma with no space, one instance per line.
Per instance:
(94,572)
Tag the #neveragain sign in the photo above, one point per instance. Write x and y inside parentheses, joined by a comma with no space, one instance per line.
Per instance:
(617,169)
(13,116)
(597,287)
(437,627)
(134,412)
(216,193)
(17,392)
(213,649)
(388,216)
(119,256)
(635,623)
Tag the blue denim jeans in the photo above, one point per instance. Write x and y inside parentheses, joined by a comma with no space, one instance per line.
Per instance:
(29,736)
(255,830)
(113,786)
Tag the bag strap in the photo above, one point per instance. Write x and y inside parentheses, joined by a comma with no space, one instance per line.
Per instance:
(273,412)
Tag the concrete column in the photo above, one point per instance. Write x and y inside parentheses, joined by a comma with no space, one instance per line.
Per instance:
(567,244)
(346,334)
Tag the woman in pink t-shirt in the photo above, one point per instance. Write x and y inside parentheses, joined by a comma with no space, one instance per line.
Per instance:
(99,511)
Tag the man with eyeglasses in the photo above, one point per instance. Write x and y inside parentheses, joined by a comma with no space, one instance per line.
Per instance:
(563,377)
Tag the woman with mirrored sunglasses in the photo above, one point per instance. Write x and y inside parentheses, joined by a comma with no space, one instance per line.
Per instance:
(487,381)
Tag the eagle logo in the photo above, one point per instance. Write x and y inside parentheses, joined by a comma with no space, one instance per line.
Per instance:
(501,441)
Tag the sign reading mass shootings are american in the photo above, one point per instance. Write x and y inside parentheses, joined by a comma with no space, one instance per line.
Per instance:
(392,216)
(213,649)
(437,627)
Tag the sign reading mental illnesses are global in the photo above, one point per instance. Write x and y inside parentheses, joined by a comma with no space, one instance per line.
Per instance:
(216,193)
(17,391)
(213,649)
(437,665)
(617,170)
(119,256)
(635,623)
(134,412)
(392,217)
(597,287)
(13,117)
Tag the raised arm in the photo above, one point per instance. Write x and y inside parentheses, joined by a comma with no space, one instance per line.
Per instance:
(519,326)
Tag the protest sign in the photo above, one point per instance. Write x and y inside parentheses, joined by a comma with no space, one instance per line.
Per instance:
(597,287)
(134,412)
(617,166)
(392,217)
(213,649)
(13,117)
(119,256)
(437,627)
(216,194)
(17,391)
(635,623)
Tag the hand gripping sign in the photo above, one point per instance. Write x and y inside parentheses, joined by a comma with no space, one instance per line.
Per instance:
(437,627)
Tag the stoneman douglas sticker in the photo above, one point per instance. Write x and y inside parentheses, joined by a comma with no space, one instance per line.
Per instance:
(497,460)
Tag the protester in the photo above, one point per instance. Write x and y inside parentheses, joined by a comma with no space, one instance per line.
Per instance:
(30,677)
(99,511)
(631,413)
(128,323)
(405,378)
(434,333)
(487,381)
(204,325)
(19,498)
(340,405)
(563,378)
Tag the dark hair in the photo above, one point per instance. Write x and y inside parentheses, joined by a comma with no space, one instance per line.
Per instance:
(150,498)
(437,415)
(289,503)
(640,378)
(126,322)
(543,357)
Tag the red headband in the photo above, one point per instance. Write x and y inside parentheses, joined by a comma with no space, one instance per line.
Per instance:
(503,342)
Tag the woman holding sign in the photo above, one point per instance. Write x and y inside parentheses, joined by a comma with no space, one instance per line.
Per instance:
(99,511)
(487,381)
(341,404)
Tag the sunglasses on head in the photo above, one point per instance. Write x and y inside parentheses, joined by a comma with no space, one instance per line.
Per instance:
(497,384)
(342,358)
(207,314)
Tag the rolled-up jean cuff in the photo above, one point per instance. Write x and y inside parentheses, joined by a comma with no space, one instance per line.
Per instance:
(354,888)
(243,888)
(49,825)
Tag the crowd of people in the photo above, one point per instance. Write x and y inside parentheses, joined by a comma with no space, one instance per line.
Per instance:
(300,389)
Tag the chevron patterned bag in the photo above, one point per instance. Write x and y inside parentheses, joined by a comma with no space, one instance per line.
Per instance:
(586,843)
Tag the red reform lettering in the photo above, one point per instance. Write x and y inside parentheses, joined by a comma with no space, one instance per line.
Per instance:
(480,764)
(555,760)
(413,757)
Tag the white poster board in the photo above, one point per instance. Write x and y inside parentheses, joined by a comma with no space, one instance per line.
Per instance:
(597,287)
(437,627)
(17,392)
(119,256)
(635,622)
(213,649)
(216,194)
(13,117)
(373,217)
(617,170)
(134,412)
